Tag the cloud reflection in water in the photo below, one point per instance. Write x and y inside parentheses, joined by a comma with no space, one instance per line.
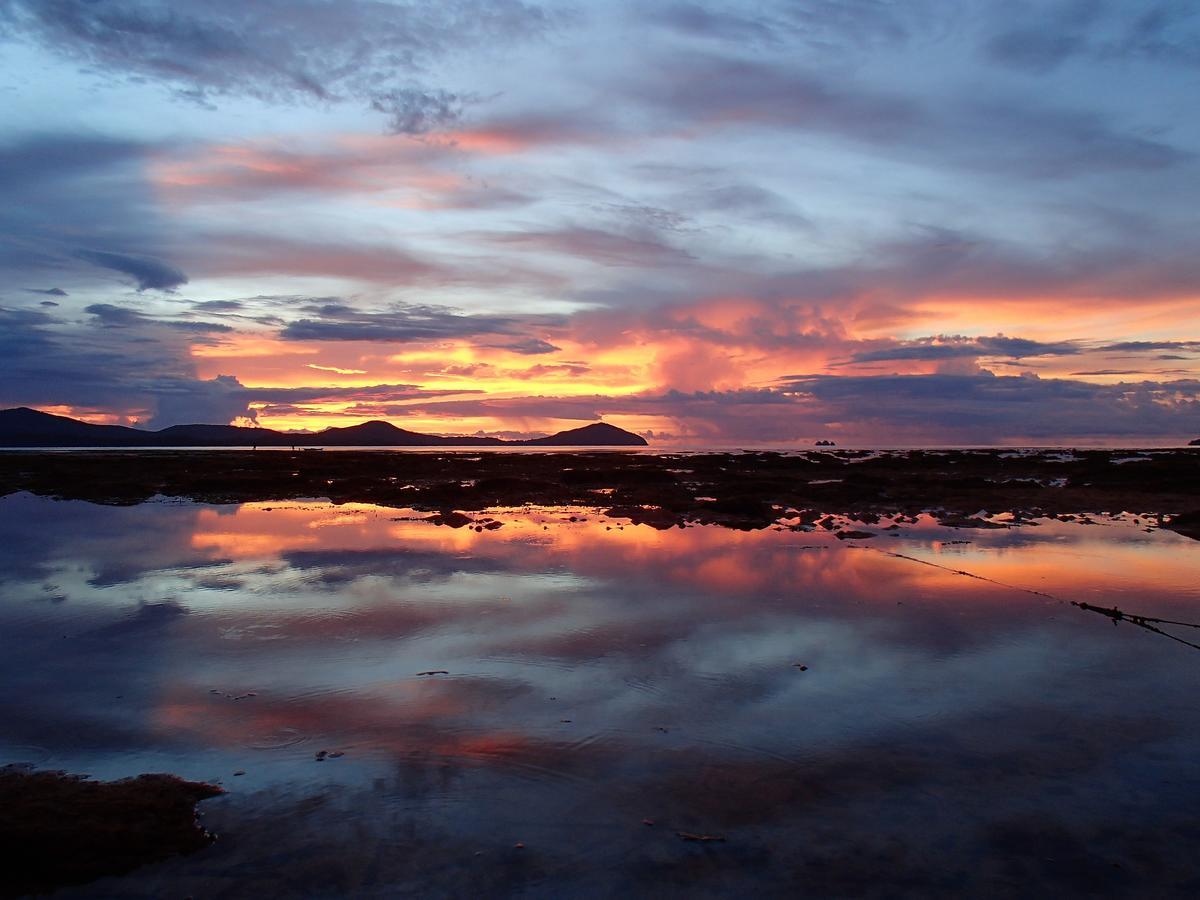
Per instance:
(946,729)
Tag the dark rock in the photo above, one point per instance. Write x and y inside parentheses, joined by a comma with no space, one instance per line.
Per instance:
(58,829)
(451,518)
(752,490)
(654,516)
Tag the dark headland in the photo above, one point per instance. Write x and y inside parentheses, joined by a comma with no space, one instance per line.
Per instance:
(25,427)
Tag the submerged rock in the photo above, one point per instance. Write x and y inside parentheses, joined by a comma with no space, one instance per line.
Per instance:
(453,518)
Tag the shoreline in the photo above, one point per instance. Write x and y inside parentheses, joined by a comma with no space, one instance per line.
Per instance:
(745,490)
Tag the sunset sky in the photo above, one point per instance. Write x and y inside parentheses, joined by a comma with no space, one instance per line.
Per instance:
(715,224)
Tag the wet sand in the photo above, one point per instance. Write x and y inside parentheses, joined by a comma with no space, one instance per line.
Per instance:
(965,488)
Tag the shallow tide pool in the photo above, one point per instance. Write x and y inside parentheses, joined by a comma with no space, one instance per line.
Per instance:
(560,708)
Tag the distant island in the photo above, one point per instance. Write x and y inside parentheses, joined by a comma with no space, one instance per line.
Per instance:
(25,427)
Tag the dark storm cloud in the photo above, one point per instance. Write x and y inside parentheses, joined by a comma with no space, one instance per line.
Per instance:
(526,346)
(277,50)
(124,360)
(339,322)
(219,306)
(110,316)
(53,292)
(19,325)
(197,401)
(1113,372)
(1138,346)
(955,346)
(113,361)
(987,407)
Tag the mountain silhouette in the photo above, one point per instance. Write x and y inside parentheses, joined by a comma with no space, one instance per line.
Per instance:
(598,434)
(25,427)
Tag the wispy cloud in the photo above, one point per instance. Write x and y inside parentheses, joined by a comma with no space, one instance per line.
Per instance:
(205,51)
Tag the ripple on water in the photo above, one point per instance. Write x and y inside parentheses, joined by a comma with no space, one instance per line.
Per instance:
(277,739)
(641,685)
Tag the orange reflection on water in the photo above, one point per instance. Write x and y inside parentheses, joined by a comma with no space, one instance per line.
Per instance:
(400,718)
(623,606)
(1056,558)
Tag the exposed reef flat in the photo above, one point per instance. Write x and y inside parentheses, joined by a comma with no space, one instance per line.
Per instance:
(59,829)
(964,488)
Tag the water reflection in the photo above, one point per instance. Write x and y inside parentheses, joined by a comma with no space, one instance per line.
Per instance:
(945,732)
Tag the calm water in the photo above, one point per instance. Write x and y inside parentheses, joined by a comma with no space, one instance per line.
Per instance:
(949,734)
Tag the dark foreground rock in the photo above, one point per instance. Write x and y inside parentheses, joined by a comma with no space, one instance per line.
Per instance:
(963,489)
(58,829)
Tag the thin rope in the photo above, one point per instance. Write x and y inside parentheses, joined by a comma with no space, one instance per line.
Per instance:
(1113,613)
